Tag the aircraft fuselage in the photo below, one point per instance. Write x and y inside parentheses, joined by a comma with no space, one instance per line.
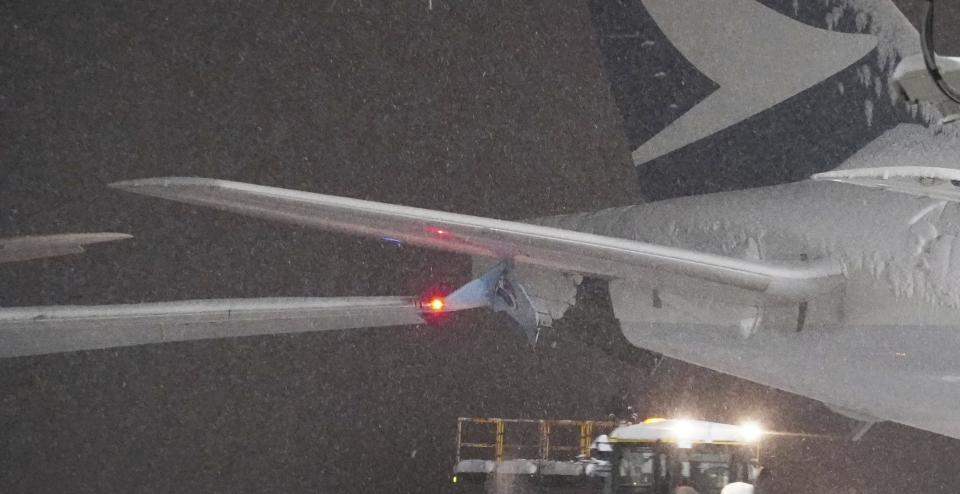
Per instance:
(883,345)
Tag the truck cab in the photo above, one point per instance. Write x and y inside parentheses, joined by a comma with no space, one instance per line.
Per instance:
(659,456)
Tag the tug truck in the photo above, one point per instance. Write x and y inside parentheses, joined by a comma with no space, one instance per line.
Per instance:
(657,456)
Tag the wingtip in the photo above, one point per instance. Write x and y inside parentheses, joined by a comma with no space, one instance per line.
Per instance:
(122,184)
(100,237)
(59,240)
(140,184)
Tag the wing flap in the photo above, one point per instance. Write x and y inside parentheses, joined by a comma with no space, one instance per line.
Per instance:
(922,181)
(41,330)
(554,248)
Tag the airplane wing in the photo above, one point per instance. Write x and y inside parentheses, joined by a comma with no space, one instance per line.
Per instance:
(40,330)
(40,246)
(724,278)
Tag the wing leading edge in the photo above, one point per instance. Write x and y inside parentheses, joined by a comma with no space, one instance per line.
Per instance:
(553,248)
(41,330)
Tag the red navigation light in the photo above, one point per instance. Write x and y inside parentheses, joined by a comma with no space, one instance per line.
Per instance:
(433,305)
(437,231)
(436,304)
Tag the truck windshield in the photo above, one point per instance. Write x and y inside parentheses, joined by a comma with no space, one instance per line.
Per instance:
(636,470)
(706,468)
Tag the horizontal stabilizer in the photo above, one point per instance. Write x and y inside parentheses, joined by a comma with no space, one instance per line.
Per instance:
(42,330)
(41,246)
(558,249)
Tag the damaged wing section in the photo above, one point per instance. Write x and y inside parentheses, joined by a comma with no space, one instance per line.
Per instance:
(41,330)
(41,246)
(725,278)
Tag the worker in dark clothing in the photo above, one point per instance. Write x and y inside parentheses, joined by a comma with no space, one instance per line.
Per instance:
(763,483)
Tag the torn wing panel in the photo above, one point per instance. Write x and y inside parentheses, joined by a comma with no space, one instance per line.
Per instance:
(41,330)
(561,250)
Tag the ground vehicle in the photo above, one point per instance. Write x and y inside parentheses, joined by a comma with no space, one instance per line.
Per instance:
(653,457)
(657,456)
(524,456)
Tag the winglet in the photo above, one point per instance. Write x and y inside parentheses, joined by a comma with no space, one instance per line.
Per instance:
(495,291)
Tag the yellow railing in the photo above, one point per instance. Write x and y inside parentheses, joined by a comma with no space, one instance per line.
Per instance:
(547,445)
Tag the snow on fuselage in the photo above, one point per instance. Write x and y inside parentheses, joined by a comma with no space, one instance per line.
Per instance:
(881,346)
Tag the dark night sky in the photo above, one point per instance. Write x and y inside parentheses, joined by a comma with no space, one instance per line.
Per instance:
(505,109)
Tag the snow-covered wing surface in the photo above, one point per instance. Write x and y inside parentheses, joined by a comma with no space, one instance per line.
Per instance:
(40,246)
(559,249)
(41,330)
